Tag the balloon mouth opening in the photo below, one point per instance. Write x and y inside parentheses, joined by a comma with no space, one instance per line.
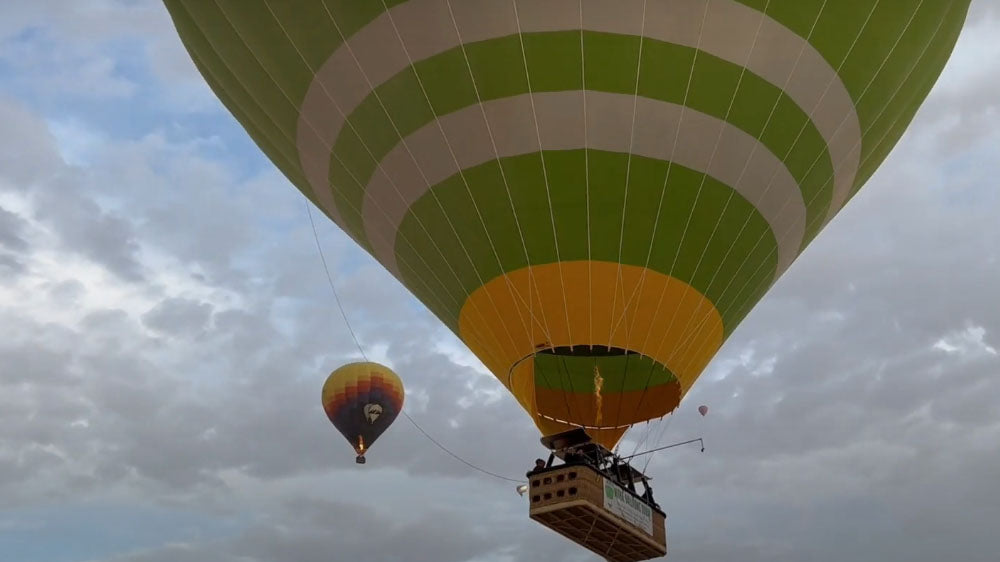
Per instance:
(595,375)
(584,426)
(594,351)
(586,350)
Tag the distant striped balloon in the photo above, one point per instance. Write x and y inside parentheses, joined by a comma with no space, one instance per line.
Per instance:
(592,194)
(362,400)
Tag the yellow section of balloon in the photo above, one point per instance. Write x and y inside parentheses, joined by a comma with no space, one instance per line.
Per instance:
(513,316)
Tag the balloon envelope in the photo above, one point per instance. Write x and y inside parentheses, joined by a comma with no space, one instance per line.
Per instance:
(591,195)
(703,410)
(362,400)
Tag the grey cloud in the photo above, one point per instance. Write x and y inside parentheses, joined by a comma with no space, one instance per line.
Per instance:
(75,45)
(10,266)
(178,316)
(24,364)
(309,530)
(198,210)
(174,429)
(67,72)
(27,148)
(837,431)
(180,553)
(191,227)
(837,418)
(60,197)
(64,56)
(984,11)
(12,228)
(363,534)
(80,22)
(861,440)
(963,107)
(66,293)
(38,401)
(85,228)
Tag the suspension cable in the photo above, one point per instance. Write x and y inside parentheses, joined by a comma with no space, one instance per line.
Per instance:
(357,342)
(329,279)
(460,459)
(696,440)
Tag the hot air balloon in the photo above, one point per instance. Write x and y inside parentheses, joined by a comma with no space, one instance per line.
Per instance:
(592,194)
(702,409)
(362,400)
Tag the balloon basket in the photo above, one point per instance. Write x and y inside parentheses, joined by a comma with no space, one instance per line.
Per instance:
(591,500)
(360,459)
(594,512)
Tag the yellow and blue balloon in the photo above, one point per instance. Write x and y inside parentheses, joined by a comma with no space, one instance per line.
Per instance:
(362,400)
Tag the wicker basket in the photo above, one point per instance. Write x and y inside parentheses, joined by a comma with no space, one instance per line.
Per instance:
(573,500)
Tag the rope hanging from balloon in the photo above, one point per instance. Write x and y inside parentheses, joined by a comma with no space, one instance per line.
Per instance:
(357,342)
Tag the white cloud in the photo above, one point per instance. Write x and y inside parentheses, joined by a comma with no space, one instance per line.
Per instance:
(968,341)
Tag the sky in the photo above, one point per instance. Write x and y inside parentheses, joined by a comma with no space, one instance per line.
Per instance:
(166,327)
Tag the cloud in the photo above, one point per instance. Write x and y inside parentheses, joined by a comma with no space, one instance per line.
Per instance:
(71,50)
(12,227)
(83,227)
(303,531)
(166,327)
(963,109)
(26,147)
(177,316)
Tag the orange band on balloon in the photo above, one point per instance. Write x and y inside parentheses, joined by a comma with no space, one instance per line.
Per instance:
(575,303)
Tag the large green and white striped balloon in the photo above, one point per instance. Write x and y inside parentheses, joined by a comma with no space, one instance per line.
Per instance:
(590,193)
